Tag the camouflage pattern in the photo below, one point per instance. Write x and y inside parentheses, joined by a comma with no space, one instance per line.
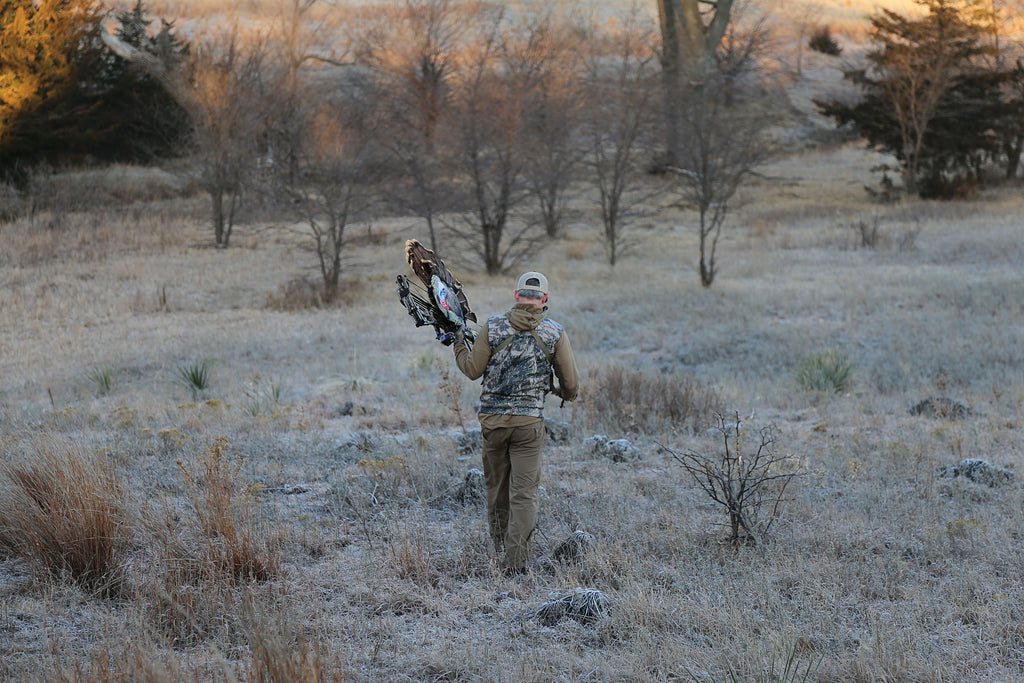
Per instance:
(517,378)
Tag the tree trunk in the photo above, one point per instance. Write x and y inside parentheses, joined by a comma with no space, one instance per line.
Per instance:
(687,46)
(217,197)
(1013,152)
(707,253)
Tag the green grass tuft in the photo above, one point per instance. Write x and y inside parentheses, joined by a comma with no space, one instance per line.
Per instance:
(829,371)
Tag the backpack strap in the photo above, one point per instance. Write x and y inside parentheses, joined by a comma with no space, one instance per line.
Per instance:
(504,342)
(552,387)
(543,347)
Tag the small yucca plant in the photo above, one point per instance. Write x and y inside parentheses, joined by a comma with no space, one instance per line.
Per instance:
(103,378)
(829,371)
(195,377)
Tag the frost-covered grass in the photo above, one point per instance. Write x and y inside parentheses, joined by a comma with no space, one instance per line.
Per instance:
(307,517)
(346,460)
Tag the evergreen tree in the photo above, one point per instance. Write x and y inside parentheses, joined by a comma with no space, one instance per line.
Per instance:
(65,97)
(47,50)
(145,120)
(928,99)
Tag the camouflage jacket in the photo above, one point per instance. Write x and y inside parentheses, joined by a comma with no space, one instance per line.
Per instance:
(517,375)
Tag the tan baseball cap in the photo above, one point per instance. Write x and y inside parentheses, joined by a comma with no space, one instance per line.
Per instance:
(533,280)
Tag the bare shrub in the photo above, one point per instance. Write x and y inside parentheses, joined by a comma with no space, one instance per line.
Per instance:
(231,541)
(633,401)
(750,487)
(867,232)
(298,294)
(63,510)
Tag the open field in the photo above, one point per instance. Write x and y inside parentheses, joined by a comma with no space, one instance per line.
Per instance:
(307,515)
(877,567)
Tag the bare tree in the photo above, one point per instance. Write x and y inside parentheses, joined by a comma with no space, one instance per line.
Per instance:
(304,37)
(486,157)
(619,126)
(226,101)
(222,87)
(415,47)
(338,173)
(918,62)
(725,142)
(554,54)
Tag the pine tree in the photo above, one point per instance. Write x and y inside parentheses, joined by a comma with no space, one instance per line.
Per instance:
(927,96)
(65,97)
(47,48)
(145,120)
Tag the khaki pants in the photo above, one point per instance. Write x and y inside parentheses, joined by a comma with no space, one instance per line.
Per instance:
(512,458)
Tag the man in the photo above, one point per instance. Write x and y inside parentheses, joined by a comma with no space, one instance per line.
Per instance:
(516,353)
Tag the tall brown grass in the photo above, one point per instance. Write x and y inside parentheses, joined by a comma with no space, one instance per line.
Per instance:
(64,510)
(231,539)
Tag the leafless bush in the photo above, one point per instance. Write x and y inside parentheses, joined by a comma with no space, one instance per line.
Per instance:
(867,232)
(750,487)
(632,401)
(64,511)
(298,294)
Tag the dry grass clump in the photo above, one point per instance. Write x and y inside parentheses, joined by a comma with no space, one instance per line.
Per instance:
(231,539)
(276,660)
(59,235)
(85,190)
(630,401)
(134,664)
(64,510)
(298,294)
